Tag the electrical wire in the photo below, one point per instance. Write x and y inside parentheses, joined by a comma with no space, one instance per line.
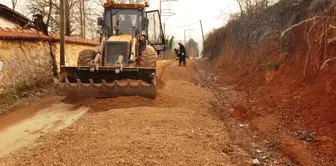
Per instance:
(181,26)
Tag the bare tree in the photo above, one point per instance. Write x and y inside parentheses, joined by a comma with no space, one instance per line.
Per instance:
(101,2)
(49,15)
(240,4)
(14,3)
(50,10)
(192,49)
(81,4)
(253,6)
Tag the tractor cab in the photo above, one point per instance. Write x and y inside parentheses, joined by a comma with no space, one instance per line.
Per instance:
(132,19)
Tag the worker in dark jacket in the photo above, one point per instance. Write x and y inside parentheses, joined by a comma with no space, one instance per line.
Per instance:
(182,55)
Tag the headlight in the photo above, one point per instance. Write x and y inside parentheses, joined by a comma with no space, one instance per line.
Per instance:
(142,38)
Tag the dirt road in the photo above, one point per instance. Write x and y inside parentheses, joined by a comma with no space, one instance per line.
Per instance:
(177,128)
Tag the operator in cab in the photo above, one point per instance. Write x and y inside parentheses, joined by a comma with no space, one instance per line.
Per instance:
(126,23)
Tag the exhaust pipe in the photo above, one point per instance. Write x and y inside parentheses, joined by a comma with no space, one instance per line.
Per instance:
(133,49)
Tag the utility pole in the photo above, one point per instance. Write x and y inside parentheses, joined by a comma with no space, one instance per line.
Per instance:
(155,30)
(160,9)
(62,62)
(84,26)
(168,14)
(81,18)
(165,9)
(164,29)
(185,42)
(202,31)
(67,17)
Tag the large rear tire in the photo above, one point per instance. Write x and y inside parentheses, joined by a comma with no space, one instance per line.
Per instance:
(85,57)
(148,57)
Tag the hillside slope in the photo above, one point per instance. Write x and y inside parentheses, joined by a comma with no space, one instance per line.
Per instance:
(283,61)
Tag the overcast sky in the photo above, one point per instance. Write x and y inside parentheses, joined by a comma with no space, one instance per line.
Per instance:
(187,12)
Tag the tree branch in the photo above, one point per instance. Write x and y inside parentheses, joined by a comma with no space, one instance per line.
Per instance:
(298,24)
(326,62)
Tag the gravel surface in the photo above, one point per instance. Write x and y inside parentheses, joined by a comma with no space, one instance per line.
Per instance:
(176,128)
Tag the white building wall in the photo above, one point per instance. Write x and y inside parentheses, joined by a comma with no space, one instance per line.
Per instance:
(5,23)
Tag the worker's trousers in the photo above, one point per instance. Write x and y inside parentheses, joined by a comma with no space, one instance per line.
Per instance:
(183,60)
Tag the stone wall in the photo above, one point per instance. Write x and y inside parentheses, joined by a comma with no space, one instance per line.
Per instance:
(24,64)
(25,59)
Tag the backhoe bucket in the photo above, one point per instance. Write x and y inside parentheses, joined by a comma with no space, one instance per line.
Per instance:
(106,82)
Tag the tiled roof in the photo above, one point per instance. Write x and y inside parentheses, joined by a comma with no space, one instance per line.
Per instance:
(24,34)
(14,33)
(75,40)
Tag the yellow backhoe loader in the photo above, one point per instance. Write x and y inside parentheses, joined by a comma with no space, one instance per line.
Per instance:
(125,62)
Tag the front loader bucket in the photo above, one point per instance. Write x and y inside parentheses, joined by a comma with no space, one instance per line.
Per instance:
(105,82)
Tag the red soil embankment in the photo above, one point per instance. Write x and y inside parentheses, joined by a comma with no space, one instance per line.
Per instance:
(289,81)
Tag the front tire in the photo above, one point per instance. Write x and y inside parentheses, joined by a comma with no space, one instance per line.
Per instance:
(85,57)
(148,57)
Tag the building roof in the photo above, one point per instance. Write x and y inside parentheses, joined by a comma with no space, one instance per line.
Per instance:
(13,15)
(25,34)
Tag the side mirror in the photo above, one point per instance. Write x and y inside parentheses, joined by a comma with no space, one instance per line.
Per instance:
(100,21)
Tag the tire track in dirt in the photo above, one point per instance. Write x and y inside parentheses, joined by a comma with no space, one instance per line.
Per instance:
(175,128)
(22,126)
(23,132)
